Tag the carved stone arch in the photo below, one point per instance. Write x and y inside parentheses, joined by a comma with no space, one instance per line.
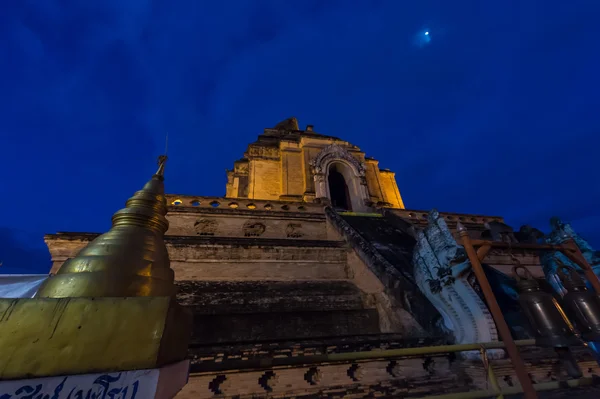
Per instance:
(332,152)
(352,169)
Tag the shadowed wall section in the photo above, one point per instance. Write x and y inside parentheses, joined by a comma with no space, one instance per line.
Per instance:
(228,311)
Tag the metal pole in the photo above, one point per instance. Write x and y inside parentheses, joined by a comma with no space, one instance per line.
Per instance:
(483,251)
(572,251)
(491,376)
(285,362)
(511,348)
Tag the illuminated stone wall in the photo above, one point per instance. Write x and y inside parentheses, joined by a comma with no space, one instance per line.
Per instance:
(269,262)
(280,165)
(390,189)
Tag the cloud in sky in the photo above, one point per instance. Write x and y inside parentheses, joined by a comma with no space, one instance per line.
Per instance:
(496,115)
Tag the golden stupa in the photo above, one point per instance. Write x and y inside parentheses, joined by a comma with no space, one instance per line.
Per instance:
(111,308)
(131,259)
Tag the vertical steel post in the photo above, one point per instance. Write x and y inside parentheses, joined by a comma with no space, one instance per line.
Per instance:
(491,376)
(511,347)
(573,252)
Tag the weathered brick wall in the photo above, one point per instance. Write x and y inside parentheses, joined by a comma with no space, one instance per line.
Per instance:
(257,260)
(373,180)
(265,179)
(279,166)
(292,168)
(238,297)
(249,327)
(205,258)
(253,224)
(63,246)
(275,310)
(389,187)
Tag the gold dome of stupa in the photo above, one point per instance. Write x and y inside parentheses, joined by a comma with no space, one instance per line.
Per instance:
(129,260)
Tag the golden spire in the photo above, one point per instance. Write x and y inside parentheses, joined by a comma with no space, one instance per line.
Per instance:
(131,259)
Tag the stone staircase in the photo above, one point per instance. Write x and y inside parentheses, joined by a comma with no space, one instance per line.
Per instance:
(259,289)
(249,289)
(384,244)
(242,311)
(231,259)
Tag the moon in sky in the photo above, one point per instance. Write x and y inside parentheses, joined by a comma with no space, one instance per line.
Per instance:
(422,38)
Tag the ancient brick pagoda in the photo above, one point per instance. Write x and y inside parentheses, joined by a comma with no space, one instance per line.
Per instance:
(311,260)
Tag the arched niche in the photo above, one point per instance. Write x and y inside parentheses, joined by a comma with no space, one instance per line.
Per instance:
(336,159)
(338,190)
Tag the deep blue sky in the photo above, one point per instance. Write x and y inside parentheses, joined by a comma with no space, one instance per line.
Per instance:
(498,114)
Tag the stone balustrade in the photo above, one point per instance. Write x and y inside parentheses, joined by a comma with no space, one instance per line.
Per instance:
(224,375)
(347,380)
(415,216)
(420,217)
(186,201)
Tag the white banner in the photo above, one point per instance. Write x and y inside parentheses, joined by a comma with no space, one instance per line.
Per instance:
(20,285)
(139,384)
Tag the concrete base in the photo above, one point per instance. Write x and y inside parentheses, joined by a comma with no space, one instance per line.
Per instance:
(160,383)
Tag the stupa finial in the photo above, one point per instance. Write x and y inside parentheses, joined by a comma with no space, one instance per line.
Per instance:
(162,160)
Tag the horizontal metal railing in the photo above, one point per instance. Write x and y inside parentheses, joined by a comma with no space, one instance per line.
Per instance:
(344,357)
(333,358)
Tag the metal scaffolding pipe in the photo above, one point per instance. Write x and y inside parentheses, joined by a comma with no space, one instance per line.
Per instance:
(496,312)
(573,252)
(424,350)
(234,366)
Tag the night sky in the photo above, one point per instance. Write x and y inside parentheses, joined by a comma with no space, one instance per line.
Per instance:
(496,110)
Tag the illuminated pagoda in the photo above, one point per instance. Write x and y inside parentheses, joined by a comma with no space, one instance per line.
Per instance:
(310,278)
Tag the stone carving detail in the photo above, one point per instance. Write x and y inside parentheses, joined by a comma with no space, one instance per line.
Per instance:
(529,235)
(205,227)
(220,385)
(268,381)
(394,369)
(356,182)
(254,228)
(241,168)
(498,231)
(335,151)
(560,233)
(263,152)
(355,372)
(294,230)
(320,177)
(313,376)
(440,267)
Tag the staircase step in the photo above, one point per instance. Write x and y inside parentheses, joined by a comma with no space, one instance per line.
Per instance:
(220,297)
(283,325)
